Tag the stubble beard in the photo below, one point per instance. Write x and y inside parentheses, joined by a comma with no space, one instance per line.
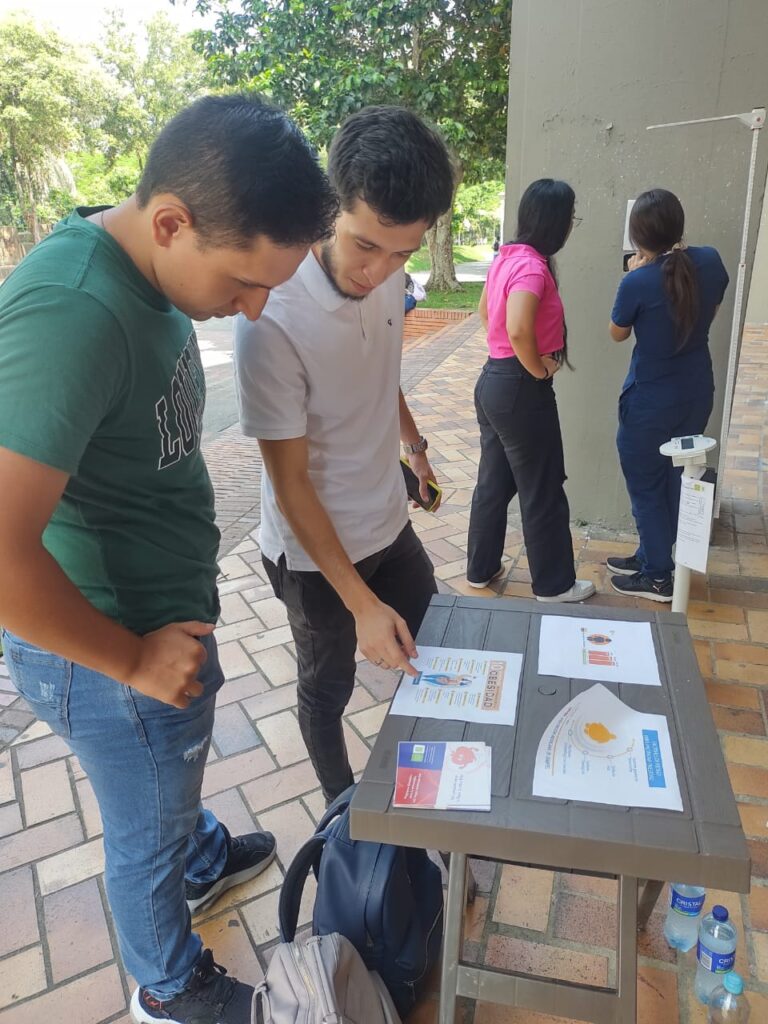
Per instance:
(327,263)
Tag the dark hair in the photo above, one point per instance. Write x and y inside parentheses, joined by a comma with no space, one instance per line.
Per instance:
(394,162)
(243,169)
(544,218)
(656,224)
(544,215)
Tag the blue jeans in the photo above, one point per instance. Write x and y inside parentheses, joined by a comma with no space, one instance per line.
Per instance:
(145,761)
(652,481)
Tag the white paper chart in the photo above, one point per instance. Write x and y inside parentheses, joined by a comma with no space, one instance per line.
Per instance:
(605,650)
(599,750)
(461,685)
(694,524)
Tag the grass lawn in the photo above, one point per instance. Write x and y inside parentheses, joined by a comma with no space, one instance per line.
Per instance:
(467,298)
(461,254)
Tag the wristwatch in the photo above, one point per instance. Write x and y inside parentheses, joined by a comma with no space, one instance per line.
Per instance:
(419,446)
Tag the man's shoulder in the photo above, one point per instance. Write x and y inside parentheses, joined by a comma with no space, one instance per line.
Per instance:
(70,277)
(288,309)
(284,318)
(58,261)
(63,305)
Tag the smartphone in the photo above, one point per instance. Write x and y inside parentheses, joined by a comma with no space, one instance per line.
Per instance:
(412,487)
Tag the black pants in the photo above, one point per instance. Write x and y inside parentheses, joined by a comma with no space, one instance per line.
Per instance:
(521,452)
(401,576)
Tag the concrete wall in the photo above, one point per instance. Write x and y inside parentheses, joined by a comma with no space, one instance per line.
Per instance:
(757,307)
(586,77)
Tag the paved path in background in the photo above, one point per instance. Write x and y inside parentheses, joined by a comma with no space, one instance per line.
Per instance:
(464,272)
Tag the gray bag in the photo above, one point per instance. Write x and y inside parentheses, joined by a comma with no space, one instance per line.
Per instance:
(321,980)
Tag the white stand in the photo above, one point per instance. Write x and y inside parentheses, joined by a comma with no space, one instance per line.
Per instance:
(688,452)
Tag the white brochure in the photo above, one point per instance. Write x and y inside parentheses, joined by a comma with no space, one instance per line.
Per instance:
(600,751)
(461,685)
(606,650)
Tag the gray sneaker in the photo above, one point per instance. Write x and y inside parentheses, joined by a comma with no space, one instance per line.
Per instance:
(580,591)
(478,585)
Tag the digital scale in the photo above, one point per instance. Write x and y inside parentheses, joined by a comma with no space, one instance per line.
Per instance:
(688,451)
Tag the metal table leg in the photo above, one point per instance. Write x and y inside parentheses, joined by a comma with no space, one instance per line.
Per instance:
(648,899)
(452,934)
(471,880)
(626,952)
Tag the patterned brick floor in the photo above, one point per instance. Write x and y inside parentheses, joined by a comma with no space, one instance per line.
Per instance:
(57,945)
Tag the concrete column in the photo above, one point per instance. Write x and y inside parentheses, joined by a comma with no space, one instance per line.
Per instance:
(757,308)
(586,77)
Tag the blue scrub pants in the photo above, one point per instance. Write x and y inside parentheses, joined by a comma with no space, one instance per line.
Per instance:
(652,482)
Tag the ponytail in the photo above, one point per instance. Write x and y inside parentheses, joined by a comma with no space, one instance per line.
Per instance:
(679,276)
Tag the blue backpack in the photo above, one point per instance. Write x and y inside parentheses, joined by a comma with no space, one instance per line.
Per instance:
(387,900)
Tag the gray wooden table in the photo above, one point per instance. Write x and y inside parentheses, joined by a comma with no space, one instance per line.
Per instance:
(703,845)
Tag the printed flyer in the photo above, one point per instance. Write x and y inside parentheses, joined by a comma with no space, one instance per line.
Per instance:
(461,685)
(443,776)
(606,650)
(600,751)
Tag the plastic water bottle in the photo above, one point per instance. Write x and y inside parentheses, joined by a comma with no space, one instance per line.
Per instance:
(716,952)
(681,928)
(728,1004)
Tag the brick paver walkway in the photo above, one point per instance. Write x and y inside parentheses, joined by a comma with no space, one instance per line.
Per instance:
(57,945)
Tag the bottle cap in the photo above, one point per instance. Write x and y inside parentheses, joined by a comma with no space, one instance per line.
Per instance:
(732,983)
(719,913)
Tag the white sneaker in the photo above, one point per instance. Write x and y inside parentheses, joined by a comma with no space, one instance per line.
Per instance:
(580,591)
(479,586)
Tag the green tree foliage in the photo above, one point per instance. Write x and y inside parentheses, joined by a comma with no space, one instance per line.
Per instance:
(477,210)
(154,81)
(50,101)
(101,181)
(321,60)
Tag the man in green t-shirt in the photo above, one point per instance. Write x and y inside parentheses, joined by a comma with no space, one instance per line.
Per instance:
(107,538)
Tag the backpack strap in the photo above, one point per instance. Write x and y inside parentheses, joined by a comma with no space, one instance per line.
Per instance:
(293,885)
(339,805)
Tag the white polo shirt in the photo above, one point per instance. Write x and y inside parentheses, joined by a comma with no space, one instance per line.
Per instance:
(320,365)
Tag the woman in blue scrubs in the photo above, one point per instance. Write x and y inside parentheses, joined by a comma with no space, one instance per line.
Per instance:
(669,299)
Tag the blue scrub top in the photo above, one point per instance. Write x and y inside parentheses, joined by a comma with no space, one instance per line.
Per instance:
(671,374)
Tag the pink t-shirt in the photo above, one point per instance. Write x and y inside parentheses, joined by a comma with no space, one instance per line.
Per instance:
(520,268)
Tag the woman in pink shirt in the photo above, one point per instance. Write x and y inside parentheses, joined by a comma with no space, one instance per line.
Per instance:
(521,446)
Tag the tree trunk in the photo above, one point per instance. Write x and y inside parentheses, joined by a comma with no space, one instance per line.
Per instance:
(442,277)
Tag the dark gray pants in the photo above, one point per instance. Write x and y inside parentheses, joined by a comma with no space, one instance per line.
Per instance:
(401,576)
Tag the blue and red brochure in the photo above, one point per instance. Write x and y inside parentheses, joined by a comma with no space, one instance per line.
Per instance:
(449,776)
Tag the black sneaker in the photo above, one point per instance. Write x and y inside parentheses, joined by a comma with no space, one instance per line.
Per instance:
(640,585)
(210,998)
(247,856)
(624,566)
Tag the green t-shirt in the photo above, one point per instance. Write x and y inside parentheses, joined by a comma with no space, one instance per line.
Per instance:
(100,376)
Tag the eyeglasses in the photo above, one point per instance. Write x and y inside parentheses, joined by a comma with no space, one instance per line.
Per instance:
(576,221)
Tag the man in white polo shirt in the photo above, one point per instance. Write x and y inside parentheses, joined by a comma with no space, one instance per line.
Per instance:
(318,383)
